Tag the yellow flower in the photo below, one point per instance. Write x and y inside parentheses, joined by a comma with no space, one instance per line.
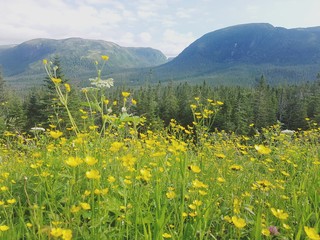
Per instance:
(90,160)
(265,232)
(105,58)
(220,103)
(145,174)
(56,232)
(311,233)
(238,222)
(66,234)
(29,225)
(73,161)
(55,134)
(279,214)
(11,201)
(67,86)
(45,61)
(134,102)
(111,179)
(195,169)
(116,146)
(262,149)
(93,174)
(75,209)
(198,184)
(166,235)
(171,194)
(4,228)
(221,180)
(106,101)
(127,181)
(236,167)
(85,206)
(125,94)
(56,80)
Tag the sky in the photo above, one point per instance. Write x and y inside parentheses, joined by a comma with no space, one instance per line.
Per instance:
(167,25)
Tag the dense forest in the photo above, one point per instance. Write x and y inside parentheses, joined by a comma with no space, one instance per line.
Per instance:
(294,106)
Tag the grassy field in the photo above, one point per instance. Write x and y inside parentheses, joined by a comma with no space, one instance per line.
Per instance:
(160,185)
(108,176)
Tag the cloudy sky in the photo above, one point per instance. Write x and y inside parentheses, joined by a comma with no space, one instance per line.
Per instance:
(167,25)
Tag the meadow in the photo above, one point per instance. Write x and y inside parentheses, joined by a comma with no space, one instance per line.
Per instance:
(109,176)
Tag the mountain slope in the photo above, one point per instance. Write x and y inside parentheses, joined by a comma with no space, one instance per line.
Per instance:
(77,57)
(250,49)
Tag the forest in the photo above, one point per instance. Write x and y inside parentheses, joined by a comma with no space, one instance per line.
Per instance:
(293,106)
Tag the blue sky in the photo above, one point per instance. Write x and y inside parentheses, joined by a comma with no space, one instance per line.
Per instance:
(167,25)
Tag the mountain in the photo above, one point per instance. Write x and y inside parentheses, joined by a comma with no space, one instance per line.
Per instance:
(22,64)
(241,53)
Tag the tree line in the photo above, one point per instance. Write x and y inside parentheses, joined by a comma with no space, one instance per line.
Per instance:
(261,105)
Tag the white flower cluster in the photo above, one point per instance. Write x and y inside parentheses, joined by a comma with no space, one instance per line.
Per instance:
(99,83)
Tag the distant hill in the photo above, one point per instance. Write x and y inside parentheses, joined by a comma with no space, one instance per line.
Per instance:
(22,64)
(239,54)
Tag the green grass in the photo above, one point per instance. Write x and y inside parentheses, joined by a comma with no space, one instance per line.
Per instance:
(158,186)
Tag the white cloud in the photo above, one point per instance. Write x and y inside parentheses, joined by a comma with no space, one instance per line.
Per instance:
(145,37)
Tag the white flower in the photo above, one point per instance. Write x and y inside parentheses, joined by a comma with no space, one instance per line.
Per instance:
(38,129)
(101,83)
(124,109)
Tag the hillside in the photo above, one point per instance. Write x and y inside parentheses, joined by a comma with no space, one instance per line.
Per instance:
(240,53)
(22,64)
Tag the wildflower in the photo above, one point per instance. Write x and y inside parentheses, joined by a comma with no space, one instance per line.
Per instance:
(55,134)
(93,174)
(73,161)
(90,160)
(66,234)
(236,167)
(146,175)
(125,94)
(134,102)
(238,222)
(67,86)
(111,179)
(45,61)
(262,149)
(127,181)
(265,232)
(75,209)
(56,232)
(4,188)
(273,230)
(4,228)
(171,194)
(116,146)
(11,201)
(166,235)
(35,129)
(311,233)
(220,103)
(56,80)
(279,214)
(195,169)
(85,206)
(105,57)
(198,184)
(29,225)
(286,226)
(99,83)
(221,180)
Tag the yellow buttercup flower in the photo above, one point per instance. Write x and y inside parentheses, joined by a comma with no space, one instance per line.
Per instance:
(45,61)
(171,194)
(93,174)
(67,86)
(4,228)
(105,57)
(238,222)
(311,233)
(56,134)
(262,149)
(73,161)
(195,169)
(85,206)
(125,94)
(278,213)
(90,160)
(56,80)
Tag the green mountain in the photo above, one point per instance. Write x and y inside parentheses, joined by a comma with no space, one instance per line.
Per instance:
(241,53)
(22,64)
